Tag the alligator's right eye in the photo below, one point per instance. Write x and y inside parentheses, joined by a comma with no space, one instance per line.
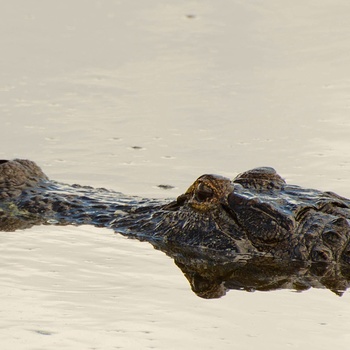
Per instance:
(204,192)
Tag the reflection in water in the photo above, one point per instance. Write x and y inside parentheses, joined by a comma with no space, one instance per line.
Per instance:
(212,273)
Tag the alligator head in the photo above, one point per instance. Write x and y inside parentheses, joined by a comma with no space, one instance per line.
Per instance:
(221,214)
(202,217)
(256,214)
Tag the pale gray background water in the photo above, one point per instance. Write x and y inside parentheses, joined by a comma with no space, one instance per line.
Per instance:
(197,86)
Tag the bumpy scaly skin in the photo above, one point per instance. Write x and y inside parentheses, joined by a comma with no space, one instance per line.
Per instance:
(28,197)
(256,214)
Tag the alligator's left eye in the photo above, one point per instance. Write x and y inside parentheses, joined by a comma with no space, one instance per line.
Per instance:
(204,192)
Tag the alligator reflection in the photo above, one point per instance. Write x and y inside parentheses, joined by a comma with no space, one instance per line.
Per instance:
(212,274)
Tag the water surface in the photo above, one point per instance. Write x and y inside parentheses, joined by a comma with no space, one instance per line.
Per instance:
(131,95)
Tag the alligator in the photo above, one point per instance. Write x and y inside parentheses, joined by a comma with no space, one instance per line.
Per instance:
(217,226)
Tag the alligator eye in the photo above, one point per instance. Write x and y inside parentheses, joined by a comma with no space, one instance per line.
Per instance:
(204,192)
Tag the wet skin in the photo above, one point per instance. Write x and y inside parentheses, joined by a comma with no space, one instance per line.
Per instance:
(255,216)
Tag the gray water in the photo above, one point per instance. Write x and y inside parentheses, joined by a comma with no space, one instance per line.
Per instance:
(130,95)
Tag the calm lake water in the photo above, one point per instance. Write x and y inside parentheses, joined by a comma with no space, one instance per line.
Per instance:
(130,95)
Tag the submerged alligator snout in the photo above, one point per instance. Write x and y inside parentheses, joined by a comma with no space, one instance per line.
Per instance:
(257,214)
